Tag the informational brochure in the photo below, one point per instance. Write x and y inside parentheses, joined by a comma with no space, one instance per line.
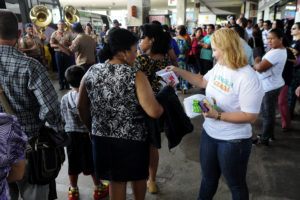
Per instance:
(167,77)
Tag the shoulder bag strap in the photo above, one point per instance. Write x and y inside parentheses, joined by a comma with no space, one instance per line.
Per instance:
(4,102)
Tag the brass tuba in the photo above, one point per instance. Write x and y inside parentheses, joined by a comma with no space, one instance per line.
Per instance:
(71,15)
(41,16)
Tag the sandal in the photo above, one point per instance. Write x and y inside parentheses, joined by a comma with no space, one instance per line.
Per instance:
(152,187)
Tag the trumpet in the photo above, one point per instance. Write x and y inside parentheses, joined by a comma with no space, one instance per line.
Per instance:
(41,16)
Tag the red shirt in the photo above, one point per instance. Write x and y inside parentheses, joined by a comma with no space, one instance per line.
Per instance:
(196,48)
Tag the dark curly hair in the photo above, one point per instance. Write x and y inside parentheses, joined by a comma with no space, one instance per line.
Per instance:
(162,38)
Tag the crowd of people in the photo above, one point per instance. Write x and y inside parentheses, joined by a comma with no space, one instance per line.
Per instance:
(117,105)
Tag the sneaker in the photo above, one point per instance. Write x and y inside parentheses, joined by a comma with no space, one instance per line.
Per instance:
(152,187)
(259,141)
(271,139)
(73,194)
(254,142)
(102,191)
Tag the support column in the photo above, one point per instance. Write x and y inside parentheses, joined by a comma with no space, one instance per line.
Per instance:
(142,8)
(247,9)
(267,14)
(181,12)
(196,11)
(259,16)
(297,17)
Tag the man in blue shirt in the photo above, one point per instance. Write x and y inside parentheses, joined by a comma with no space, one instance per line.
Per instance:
(102,34)
(206,59)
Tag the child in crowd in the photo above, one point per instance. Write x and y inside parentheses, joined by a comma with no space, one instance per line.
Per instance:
(79,152)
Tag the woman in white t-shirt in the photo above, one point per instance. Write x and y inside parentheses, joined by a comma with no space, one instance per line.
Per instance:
(225,144)
(269,71)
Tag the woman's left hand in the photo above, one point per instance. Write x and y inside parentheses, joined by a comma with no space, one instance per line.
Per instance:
(174,69)
(212,113)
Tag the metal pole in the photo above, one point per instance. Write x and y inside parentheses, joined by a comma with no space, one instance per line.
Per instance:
(2,4)
(24,12)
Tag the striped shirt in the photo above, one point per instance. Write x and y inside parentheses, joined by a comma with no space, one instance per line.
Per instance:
(70,114)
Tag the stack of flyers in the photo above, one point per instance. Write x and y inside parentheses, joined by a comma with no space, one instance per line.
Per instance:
(168,77)
(193,105)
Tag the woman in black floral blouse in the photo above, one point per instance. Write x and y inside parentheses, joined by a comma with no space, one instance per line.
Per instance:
(118,97)
(156,43)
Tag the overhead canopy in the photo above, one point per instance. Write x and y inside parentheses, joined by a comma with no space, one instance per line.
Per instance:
(213,5)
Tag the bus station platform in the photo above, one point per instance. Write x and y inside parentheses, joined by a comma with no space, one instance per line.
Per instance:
(273,171)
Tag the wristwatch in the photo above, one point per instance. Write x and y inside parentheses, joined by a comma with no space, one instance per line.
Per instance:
(219,116)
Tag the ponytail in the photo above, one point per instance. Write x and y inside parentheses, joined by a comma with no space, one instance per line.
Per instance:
(118,40)
(105,53)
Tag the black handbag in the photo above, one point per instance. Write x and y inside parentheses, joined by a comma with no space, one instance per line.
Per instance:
(44,157)
(45,153)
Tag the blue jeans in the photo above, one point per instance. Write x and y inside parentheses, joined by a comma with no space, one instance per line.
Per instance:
(268,110)
(63,61)
(227,157)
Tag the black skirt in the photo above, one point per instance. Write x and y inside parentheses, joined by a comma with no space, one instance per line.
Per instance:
(120,160)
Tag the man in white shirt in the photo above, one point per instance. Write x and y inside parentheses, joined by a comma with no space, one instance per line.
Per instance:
(265,33)
(249,28)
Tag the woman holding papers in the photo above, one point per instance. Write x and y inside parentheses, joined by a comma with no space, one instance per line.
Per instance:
(225,144)
(155,42)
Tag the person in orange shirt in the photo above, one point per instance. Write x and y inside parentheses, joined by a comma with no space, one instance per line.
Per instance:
(187,36)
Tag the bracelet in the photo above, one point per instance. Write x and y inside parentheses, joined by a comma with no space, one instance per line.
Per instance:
(219,116)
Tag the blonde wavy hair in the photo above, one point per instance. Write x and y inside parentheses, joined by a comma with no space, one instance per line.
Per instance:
(228,41)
